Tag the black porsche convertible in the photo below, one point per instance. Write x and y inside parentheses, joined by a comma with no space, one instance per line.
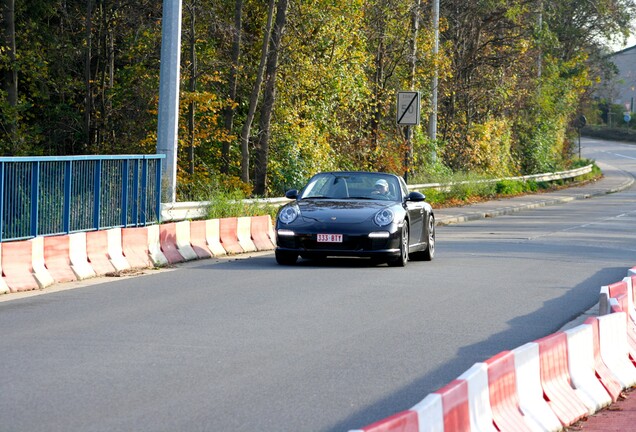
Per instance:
(355,214)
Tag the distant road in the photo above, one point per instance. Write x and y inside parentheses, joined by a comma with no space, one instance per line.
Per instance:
(247,345)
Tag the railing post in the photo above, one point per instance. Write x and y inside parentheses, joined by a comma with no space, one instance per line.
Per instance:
(138,192)
(97,193)
(124,193)
(68,176)
(158,190)
(35,192)
(144,192)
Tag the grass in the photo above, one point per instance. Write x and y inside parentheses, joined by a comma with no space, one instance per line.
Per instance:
(463,189)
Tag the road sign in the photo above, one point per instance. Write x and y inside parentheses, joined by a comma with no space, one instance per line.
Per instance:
(627,117)
(408,108)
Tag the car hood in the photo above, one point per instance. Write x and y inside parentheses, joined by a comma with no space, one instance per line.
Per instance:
(336,211)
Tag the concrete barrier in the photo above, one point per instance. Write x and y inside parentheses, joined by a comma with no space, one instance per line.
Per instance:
(198,239)
(168,240)
(154,246)
(183,241)
(213,237)
(135,247)
(229,236)
(115,251)
(17,266)
(97,252)
(57,258)
(78,256)
(260,231)
(244,234)
(4,288)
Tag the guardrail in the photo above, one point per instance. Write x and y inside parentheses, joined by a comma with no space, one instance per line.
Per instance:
(196,209)
(55,195)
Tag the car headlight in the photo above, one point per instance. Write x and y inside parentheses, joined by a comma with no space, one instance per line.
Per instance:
(288,214)
(383,217)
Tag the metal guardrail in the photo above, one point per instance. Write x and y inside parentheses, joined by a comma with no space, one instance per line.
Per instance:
(195,210)
(59,195)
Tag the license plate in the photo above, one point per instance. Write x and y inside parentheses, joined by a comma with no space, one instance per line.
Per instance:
(329,238)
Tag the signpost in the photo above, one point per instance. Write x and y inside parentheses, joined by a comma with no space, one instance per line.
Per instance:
(408,114)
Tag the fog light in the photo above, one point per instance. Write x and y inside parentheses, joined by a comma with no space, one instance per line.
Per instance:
(286,233)
(379,234)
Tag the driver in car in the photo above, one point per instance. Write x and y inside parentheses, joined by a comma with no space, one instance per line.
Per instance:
(381,188)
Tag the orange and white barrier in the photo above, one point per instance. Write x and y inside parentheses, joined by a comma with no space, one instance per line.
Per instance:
(198,239)
(543,385)
(41,261)
(228,229)
(4,288)
(244,234)
(213,237)
(79,257)
(182,230)
(57,257)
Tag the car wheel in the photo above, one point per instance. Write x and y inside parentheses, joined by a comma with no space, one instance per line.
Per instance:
(404,248)
(429,253)
(286,258)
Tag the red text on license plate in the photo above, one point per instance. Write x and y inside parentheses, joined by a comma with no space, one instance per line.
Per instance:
(329,238)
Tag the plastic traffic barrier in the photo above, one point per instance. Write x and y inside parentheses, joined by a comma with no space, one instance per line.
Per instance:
(455,405)
(603,373)
(504,399)
(17,265)
(40,272)
(580,340)
(430,414)
(531,400)
(614,351)
(478,398)
(563,399)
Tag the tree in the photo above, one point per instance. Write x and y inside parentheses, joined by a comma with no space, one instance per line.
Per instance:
(269,98)
(256,91)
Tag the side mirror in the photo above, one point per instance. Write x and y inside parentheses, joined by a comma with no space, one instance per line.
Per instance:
(291,194)
(416,197)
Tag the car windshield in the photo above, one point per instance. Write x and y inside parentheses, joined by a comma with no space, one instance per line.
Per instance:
(369,186)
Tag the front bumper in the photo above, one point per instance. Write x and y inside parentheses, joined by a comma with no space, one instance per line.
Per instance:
(353,244)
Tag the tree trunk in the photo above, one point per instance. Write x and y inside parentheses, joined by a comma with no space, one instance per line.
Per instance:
(269,98)
(229,110)
(10,74)
(245,132)
(88,102)
(192,88)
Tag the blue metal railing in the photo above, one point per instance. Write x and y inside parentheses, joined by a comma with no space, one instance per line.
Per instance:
(59,195)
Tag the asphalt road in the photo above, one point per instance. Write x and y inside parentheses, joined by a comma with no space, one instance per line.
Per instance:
(244,344)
